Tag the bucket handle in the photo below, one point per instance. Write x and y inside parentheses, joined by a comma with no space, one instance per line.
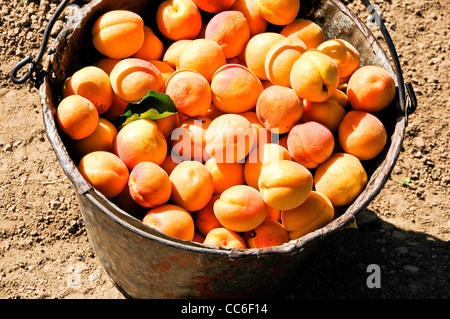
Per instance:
(34,62)
(404,88)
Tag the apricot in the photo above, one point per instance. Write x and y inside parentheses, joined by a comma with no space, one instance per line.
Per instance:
(230,30)
(105,172)
(284,184)
(132,79)
(225,238)
(152,48)
(256,50)
(341,178)
(240,208)
(171,220)
(77,117)
(170,162)
(371,88)
(235,89)
(167,124)
(188,140)
(190,92)
(279,109)
(202,55)
(140,141)
(343,53)
(225,175)
(102,139)
(214,112)
(268,234)
(106,64)
(281,57)
(310,144)
(205,220)
(172,54)
(149,185)
(125,202)
(329,112)
(214,6)
(229,138)
(255,21)
(192,185)
(274,214)
(116,109)
(165,69)
(315,212)
(198,238)
(279,12)
(314,76)
(118,34)
(260,156)
(262,134)
(306,30)
(178,19)
(362,134)
(92,83)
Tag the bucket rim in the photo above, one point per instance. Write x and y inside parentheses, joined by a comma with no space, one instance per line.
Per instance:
(374,185)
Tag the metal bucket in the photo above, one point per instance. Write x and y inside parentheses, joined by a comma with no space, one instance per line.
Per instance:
(144,263)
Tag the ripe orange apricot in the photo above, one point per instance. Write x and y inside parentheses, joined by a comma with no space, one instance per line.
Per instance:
(229,138)
(256,51)
(255,21)
(262,155)
(214,6)
(362,134)
(165,69)
(240,208)
(341,178)
(285,184)
(188,139)
(132,79)
(262,134)
(202,55)
(315,212)
(167,124)
(278,12)
(116,109)
(190,92)
(149,185)
(204,219)
(268,234)
(77,116)
(118,34)
(225,238)
(152,48)
(281,57)
(102,139)
(171,220)
(170,162)
(105,172)
(279,109)
(225,175)
(235,89)
(230,30)
(314,76)
(371,88)
(310,144)
(172,54)
(178,19)
(329,112)
(306,30)
(343,53)
(106,64)
(140,141)
(92,83)
(192,185)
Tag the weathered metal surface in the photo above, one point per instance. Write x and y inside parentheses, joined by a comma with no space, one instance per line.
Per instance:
(144,263)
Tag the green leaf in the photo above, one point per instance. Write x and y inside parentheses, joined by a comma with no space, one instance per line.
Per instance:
(406,182)
(153,106)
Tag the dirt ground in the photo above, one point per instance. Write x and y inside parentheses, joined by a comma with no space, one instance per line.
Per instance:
(44,248)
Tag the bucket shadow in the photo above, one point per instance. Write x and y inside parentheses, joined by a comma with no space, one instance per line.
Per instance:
(411,265)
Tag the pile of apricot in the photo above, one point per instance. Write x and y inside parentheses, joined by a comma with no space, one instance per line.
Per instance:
(272,132)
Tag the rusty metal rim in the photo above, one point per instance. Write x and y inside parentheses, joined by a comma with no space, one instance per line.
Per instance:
(294,246)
